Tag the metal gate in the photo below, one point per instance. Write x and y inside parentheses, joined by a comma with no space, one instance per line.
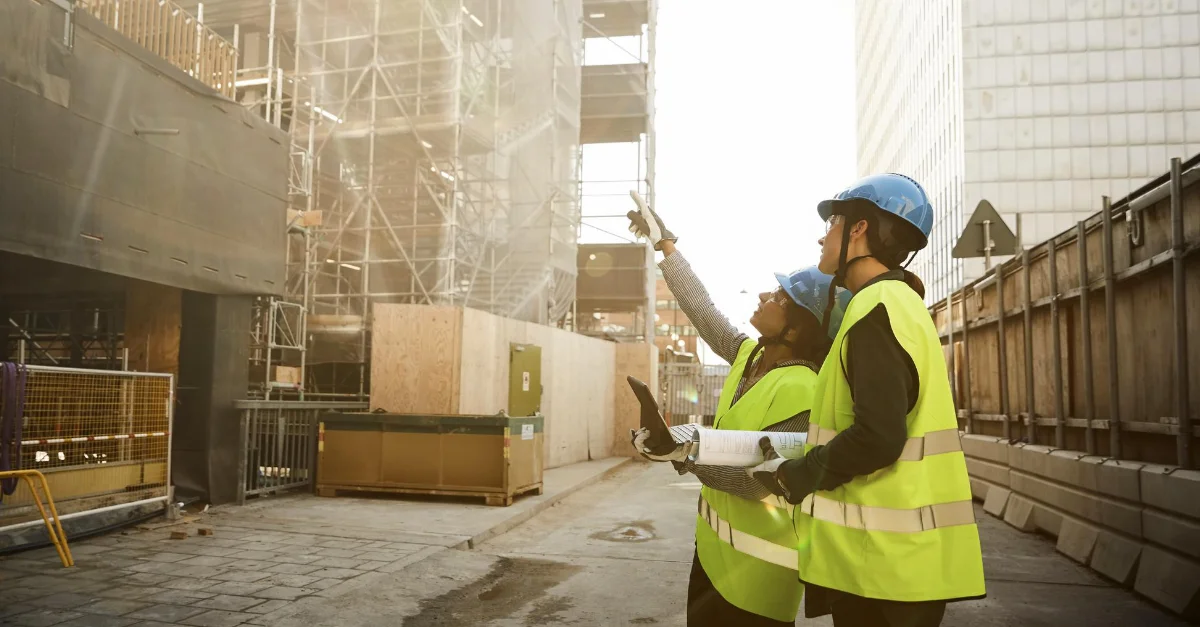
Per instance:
(690,392)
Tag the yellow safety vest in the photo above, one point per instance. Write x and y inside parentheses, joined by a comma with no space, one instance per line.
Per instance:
(748,548)
(906,532)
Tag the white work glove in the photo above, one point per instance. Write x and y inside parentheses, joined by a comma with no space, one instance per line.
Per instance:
(646,223)
(680,453)
(767,473)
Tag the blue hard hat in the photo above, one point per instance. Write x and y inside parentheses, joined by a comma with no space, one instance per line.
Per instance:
(809,288)
(894,193)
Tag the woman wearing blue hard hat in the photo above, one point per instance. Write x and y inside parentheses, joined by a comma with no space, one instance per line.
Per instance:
(884,514)
(743,572)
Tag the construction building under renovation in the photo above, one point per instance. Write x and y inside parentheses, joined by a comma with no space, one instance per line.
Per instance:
(270,170)
(434,156)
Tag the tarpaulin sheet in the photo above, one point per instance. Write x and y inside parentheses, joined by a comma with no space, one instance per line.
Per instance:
(145,173)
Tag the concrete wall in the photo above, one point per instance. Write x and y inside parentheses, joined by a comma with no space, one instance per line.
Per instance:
(1137,524)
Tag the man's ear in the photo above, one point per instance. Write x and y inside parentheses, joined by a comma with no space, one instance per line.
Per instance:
(860,228)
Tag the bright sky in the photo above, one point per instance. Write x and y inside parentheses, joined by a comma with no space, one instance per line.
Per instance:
(755,119)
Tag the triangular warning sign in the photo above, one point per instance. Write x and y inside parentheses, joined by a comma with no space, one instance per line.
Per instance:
(987,221)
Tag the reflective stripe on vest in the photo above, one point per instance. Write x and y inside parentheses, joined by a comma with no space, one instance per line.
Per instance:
(745,543)
(871,518)
(747,549)
(915,449)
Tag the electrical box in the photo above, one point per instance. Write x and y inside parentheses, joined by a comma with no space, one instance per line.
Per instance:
(524,379)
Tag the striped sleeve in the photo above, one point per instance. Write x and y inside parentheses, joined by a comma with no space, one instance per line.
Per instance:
(714,328)
(735,481)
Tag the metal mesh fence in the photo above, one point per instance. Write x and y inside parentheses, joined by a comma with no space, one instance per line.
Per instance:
(100,437)
(690,392)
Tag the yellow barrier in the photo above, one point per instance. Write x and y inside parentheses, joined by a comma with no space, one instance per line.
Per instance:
(55,530)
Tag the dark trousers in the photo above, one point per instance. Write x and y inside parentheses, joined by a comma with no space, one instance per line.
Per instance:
(854,611)
(706,607)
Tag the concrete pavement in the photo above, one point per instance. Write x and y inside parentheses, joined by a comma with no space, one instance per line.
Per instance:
(616,552)
(262,559)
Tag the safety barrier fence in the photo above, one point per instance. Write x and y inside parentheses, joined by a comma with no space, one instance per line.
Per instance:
(278,449)
(1073,369)
(164,28)
(102,439)
(690,391)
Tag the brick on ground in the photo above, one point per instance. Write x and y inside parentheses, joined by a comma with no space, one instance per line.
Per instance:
(283,593)
(229,603)
(112,607)
(218,618)
(267,607)
(36,618)
(166,613)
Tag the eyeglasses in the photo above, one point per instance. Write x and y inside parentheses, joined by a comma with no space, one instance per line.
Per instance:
(833,221)
(779,297)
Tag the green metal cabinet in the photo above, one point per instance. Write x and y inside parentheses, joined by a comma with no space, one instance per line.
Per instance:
(524,379)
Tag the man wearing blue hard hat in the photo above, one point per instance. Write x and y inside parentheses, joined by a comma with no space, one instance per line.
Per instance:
(744,569)
(883,512)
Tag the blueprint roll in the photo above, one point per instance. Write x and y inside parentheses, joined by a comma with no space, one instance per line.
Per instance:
(715,447)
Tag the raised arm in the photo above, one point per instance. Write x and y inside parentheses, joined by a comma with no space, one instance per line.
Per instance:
(714,328)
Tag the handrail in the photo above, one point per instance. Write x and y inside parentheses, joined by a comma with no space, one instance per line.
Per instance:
(164,28)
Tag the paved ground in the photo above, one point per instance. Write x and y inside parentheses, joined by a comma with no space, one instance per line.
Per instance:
(614,553)
(261,560)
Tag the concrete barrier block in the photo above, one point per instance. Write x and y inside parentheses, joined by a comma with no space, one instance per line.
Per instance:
(1089,473)
(987,447)
(1176,533)
(1172,489)
(1077,539)
(1047,519)
(1116,557)
(1120,478)
(1014,451)
(1064,466)
(1118,515)
(997,500)
(979,489)
(1170,580)
(990,471)
(1019,513)
(1034,458)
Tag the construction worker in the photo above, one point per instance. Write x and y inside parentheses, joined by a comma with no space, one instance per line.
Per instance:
(743,571)
(883,504)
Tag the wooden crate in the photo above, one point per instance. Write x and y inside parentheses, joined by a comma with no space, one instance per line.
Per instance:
(494,457)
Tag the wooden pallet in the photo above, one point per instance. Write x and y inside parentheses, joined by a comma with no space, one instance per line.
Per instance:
(498,499)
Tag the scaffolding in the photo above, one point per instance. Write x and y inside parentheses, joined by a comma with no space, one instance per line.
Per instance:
(438,141)
(435,152)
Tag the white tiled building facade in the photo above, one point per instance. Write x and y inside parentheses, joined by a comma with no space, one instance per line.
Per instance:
(1040,107)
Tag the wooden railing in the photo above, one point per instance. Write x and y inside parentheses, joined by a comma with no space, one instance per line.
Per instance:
(165,29)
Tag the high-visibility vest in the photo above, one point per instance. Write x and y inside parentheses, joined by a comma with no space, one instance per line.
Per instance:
(748,548)
(906,532)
